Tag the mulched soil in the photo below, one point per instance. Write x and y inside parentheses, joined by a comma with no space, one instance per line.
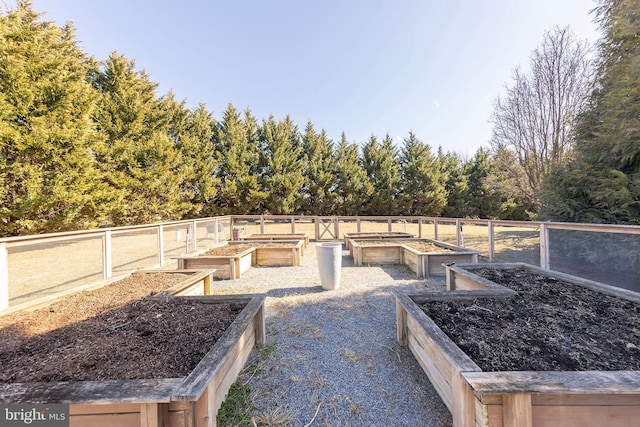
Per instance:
(551,325)
(419,246)
(235,249)
(115,332)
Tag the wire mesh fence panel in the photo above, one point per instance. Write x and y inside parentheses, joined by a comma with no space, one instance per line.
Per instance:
(447,232)
(43,269)
(405,226)
(277,226)
(516,244)
(428,230)
(134,249)
(306,225)
(374,226)
(174,241)
(610,258)
(247,226)
(475,236)
(207,231)
(347,226)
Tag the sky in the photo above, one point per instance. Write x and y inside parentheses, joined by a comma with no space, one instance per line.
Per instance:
(362,67)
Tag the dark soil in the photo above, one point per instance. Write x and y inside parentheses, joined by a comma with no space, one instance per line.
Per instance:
(112,333)
(551,325)
(417,245)
(235,249)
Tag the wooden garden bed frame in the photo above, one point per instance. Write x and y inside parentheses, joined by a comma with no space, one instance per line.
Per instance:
(382,235)
(512,398)
(200,283)
(193,400)
(424,264)
(278,236)
(233,266)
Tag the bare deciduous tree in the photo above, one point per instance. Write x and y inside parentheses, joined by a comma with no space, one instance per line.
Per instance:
(535,117)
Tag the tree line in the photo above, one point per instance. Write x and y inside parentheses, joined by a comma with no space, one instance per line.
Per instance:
(87,143)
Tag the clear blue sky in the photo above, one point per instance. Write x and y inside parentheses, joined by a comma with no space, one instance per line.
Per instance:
(359,66)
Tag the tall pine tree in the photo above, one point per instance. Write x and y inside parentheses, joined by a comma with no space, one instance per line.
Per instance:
(140,159)
(319,197)
(423,190)
(353,189)
(380,161)
(238,156)
(47,138)
(282,165)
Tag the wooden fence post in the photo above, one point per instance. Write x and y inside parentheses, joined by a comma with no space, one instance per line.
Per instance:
(4,276)
(107,255)
(492,251)
(161,245)
(544,246)
(435,229)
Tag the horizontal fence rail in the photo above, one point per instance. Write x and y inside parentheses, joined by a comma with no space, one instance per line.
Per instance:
(33,267)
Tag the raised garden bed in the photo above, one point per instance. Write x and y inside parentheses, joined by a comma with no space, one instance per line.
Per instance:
(348,237)
(136,285)
(279,236)
(423,256)
(120,360)
(234,258)
(526,354)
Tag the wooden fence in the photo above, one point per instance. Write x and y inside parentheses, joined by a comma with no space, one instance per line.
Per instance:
(34,266)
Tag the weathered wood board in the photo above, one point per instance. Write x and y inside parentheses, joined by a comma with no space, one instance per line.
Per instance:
(190,401)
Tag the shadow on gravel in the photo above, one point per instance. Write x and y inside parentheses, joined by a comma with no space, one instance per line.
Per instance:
(287,292)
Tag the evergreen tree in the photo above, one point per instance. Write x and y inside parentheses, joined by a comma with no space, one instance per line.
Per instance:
(602,182)
(140,159)
(319,173)
(423,190)
(282,165)
(353,189)
(482,199)
(238,158)
(195,140)
(47,138)
(380,161)
(455,183)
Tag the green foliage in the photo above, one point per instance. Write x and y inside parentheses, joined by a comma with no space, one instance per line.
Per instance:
(84,144)
(423,191)
(236,409)
(319,173)
(353,188)
(194,133)
(380,161)
(601,184)
(282,165)
(238,157)
(140,161)
(47,137)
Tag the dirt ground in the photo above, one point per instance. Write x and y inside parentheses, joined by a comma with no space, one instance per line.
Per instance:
(114,332)
(551,325)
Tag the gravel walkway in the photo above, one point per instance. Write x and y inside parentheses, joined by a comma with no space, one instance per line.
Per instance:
(331,357)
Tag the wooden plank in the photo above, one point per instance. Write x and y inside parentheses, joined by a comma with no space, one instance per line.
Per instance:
(440,379)
(105,420)
(91,392)
(154,414)
(580,416)
(401,324)
(114,408)
(555,382)
(516,410)
(585,399)
(463,405)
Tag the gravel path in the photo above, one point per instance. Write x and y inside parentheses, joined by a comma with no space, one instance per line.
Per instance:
(331,357)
